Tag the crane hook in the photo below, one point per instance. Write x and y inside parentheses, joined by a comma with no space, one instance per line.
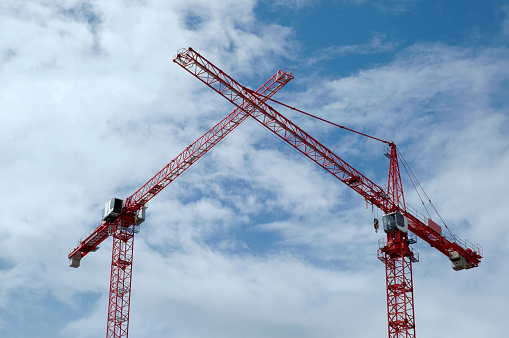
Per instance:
(375,223)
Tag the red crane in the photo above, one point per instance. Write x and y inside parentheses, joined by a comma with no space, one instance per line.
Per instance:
(122,219)
(401,225)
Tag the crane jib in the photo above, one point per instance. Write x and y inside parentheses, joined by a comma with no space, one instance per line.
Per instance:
(121,219)
(177,167)
(395,252)
(266,115)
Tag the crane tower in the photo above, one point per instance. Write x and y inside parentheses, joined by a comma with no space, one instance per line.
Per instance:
(401,225)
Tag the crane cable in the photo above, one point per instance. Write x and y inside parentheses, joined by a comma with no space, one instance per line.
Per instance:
(316,117)
(413,179)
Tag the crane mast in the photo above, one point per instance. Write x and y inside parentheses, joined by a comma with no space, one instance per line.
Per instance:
(399,223)
(398,256)
(122,220)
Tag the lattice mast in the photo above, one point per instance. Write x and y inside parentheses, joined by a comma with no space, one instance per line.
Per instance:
(398,256)
(122,219)
(395,252)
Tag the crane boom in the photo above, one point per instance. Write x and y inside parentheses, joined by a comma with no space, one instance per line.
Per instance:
(277,123)
(201,146)
(258,109)
(180,164)
(395,252)
(122,220)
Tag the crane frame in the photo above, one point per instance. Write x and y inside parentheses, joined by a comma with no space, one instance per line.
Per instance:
(396,252)
(125,225)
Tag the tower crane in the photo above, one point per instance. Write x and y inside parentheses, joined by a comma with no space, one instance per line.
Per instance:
(401,224)
(122,219)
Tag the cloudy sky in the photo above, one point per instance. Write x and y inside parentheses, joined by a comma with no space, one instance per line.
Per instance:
(254,241)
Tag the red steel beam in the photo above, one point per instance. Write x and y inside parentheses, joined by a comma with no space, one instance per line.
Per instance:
(181,163)
(234,92)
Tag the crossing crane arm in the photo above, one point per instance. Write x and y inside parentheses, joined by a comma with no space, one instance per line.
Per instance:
(137,201)
(267,116)
(201,146)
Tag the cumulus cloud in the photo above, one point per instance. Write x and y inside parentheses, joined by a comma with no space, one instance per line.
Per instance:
(90,91)
(294,3)
(375,46)
(93,105)
(505,22)
(394,7)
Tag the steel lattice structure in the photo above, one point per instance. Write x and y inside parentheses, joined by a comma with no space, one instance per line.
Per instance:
(121,275)
(396,252)
(125,226)
(398,256)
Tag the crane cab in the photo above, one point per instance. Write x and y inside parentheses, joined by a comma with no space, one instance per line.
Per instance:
(140,216)
(395,221)
(112,209)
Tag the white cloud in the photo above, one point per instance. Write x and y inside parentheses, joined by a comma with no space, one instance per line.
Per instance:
(234,38)
(90,91)
(375,46)
(505,22)
(425,82)
(392,6)
(436,102)
(93,105)
(294,3)
(210,295)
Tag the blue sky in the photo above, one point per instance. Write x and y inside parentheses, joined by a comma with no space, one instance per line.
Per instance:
(255,240)
(361,34)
